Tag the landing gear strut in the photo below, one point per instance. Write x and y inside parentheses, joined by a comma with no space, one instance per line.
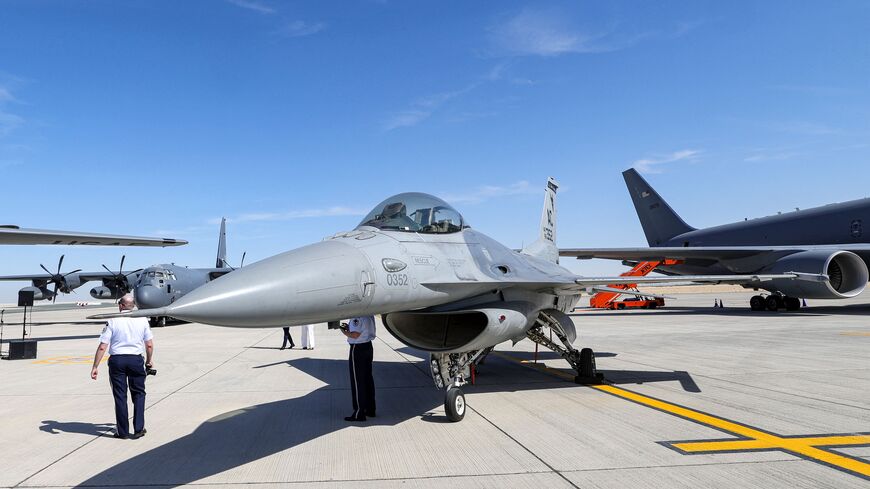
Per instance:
(583,361)
(451,371)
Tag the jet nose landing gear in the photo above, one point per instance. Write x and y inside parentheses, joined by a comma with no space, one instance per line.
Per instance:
(452,371)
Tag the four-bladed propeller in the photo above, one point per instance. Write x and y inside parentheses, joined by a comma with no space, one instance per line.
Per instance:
(120,278)
(58,279)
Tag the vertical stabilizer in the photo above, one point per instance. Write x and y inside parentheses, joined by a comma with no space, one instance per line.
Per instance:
(660,223)
(221,261)
(545,246)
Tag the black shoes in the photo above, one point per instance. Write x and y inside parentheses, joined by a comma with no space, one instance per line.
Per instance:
(355,419)
(371,414)
(138,434)
(120,437)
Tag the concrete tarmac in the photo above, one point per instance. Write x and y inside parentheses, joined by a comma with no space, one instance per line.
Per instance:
(697,397)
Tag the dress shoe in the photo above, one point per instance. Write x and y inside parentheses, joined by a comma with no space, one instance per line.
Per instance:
(371,414)
(355,419)
(120,437)
(138,434)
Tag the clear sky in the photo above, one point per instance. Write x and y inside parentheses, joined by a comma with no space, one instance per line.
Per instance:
(293,118)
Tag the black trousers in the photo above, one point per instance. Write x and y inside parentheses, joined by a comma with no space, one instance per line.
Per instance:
(287,338)
(128,371)
(362,384)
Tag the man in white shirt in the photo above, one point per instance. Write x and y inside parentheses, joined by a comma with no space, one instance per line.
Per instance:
(360,332)
(127,339)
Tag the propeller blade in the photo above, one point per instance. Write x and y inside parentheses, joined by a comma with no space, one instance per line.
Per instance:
(107,269)
(54,299)
(243,259)
(72,272)
(121,268)
(60,264)
(46,270)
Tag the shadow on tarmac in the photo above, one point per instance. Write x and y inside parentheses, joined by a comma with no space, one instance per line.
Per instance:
(55,427)
(241,436)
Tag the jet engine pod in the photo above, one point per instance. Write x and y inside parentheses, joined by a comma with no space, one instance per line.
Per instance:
(463,330)
(847,274)
(103,292)
(39,294)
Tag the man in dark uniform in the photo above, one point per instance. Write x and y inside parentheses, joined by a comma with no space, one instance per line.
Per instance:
(360,332)
(126,339)
(287,338)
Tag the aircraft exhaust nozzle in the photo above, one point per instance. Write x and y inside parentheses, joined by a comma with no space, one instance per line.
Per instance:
(320,282)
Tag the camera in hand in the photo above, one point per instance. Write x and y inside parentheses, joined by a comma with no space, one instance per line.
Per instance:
(150,371)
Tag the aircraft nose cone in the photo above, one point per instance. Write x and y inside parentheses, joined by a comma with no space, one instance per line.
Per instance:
(316,283)
(150,297)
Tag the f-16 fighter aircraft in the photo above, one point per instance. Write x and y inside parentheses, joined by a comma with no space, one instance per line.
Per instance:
(153,287)
(826,240)
(439,286)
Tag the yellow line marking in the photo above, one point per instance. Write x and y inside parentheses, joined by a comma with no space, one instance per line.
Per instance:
(78,360)
(815,448)
(855,333)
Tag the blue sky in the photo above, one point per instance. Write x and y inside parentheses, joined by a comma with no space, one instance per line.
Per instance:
(293,118)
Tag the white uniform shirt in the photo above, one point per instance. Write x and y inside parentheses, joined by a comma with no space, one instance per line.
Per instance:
(365,326)
(126,336)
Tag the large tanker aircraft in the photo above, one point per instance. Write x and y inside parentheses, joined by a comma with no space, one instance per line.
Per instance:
(828,240)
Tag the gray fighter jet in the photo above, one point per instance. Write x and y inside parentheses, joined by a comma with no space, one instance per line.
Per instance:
(439,286)
(827,240)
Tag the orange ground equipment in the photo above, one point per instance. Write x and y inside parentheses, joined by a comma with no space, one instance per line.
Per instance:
(608,300)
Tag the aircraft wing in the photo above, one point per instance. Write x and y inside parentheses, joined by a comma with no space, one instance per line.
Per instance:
(13,235)
(701,279)
(702,252)
(570,285)
(44,277)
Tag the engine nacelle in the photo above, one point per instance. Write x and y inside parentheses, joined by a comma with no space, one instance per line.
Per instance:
(70,283)
(39,294)
(847,272)
(464,330)
(103,292)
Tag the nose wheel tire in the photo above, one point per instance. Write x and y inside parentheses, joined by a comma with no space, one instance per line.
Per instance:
(454,404)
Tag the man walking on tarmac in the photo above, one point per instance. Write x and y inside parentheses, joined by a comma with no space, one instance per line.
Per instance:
(127,339)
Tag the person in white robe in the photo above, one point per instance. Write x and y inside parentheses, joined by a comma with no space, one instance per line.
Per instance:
(308,337)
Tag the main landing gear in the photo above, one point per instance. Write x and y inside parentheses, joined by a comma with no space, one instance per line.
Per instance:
(450,371)
(774,302)
(582,361)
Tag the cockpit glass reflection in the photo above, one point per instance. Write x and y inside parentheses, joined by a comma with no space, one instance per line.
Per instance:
(415,212)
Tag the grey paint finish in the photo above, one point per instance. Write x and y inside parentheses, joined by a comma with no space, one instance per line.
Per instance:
(401,260)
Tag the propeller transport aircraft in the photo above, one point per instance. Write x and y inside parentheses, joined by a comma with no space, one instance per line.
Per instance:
(153,287)
(439,286)
(826,240)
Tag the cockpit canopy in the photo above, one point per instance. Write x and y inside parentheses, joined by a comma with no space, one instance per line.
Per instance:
(417,213)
